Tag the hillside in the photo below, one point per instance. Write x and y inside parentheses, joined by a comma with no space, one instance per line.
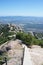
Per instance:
(21,19)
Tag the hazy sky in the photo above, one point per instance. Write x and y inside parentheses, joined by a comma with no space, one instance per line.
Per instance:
(21,8)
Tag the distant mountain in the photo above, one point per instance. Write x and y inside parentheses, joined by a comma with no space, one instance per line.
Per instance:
(22,19)
(28,23)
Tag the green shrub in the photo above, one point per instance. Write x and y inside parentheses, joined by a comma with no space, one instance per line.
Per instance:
(41,43)
(28,39)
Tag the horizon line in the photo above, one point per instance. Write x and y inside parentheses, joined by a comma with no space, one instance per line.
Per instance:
(19,16)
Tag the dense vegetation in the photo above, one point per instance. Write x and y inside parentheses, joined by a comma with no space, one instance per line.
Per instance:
(28,39)
(4,33)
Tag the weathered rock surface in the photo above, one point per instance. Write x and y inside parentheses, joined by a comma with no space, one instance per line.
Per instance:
(14,51)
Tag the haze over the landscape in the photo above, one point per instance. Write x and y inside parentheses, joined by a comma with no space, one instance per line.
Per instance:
(26,12)
(21,32)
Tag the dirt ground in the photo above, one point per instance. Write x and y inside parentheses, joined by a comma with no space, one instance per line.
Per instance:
(37,55)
